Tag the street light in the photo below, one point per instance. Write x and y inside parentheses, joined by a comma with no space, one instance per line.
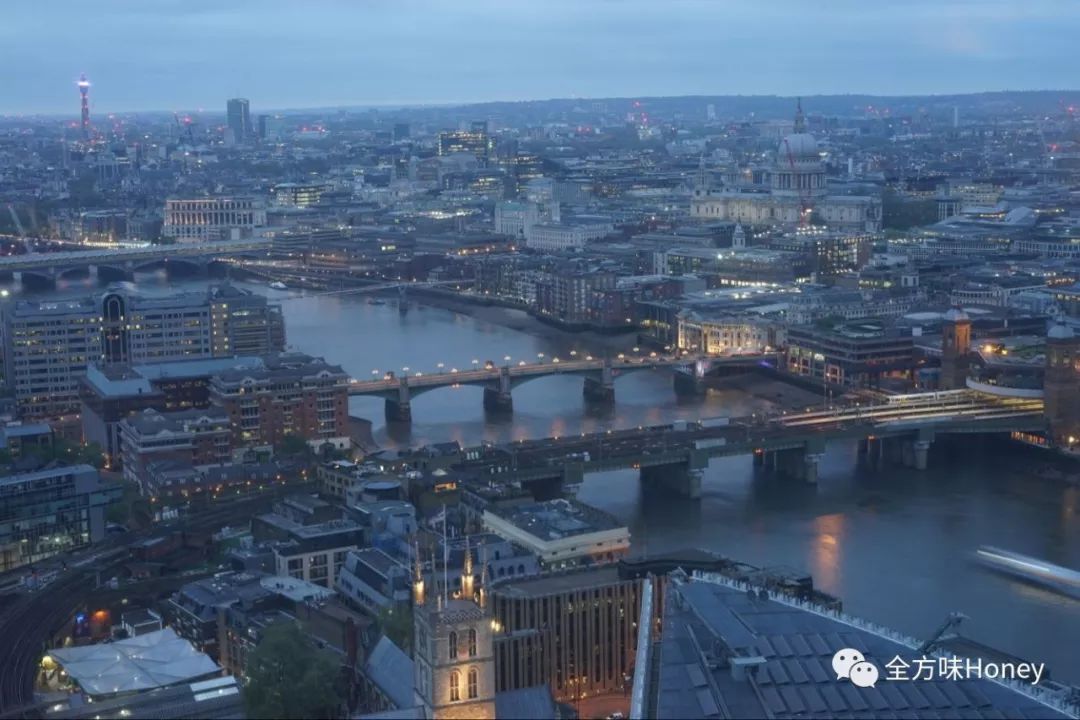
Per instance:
(540,356)
(440,366)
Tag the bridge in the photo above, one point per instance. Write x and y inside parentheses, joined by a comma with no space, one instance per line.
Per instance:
(899,429)
(499,381)
(125,260)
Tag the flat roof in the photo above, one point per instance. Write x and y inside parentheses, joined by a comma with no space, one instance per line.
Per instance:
(557,519)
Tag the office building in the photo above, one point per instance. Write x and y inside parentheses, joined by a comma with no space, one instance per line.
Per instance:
(474,142)
(831,253)
(561,533)
(292,394)
(49,344)
(853,354)
(554,236)
(213,218)
(574,631)
(238,119)
(51,511)
(298,195)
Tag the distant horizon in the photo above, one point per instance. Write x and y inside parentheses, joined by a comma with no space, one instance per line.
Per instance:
(450,105)
(172,54)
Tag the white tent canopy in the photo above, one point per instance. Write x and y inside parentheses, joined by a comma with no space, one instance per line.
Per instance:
(156,659)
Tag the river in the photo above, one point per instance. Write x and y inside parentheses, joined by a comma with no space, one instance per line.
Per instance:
(895,545)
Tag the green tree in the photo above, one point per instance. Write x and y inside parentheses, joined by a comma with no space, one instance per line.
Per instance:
(288,677)
(398,626)
(294,446)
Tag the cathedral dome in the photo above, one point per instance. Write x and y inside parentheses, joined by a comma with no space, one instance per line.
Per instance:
(798,146)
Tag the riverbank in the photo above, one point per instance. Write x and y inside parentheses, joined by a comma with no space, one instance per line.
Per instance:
(583,341)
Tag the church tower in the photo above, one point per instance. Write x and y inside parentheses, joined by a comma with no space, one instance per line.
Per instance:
(454,658)
(738,238)
(701,182)
(955,346)
(1061,386)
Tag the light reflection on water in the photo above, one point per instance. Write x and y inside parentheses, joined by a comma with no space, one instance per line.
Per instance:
(895,545)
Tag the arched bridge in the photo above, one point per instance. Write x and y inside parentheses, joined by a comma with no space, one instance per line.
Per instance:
(125,260)
(499,381)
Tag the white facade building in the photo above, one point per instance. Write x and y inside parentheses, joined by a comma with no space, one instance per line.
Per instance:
(213,218)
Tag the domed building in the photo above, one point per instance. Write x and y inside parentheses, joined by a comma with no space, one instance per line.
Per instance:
(797,187)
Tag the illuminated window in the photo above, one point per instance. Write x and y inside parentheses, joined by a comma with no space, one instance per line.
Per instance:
(455,686)
(473,679)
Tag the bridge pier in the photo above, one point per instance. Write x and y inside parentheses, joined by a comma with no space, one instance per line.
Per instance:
(498,398)
(677,477)
(688,384)
(597,391)
(921,453)
(495,400)
(799,463)
(400,409)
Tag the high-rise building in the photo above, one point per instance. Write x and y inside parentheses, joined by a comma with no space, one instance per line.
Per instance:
(402,131)
(47,345)
(463,141)
(84,103)
(238,119)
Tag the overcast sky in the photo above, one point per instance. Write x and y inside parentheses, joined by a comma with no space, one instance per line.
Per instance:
(190,54)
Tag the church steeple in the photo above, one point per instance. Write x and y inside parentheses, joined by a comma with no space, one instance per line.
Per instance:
(738,238)
(467,573)
(800,119)
(418,578)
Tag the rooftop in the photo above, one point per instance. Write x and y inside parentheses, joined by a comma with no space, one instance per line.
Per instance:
(153,660)
(712,625)
(557,519)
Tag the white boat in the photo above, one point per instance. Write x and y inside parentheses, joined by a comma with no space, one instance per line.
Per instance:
(1040,572)
(278,285)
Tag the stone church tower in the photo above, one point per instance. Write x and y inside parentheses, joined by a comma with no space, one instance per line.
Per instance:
(955,346)
(453,657)
(1061,386)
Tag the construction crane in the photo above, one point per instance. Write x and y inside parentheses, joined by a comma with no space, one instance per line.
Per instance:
(184,128)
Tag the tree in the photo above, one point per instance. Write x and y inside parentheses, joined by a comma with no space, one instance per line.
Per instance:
(288,677)
(294,446)
(398,626)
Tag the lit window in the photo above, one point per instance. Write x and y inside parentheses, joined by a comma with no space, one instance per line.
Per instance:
(472,683)
(455,685)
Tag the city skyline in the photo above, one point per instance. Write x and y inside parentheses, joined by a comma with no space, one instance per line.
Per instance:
(382,54)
